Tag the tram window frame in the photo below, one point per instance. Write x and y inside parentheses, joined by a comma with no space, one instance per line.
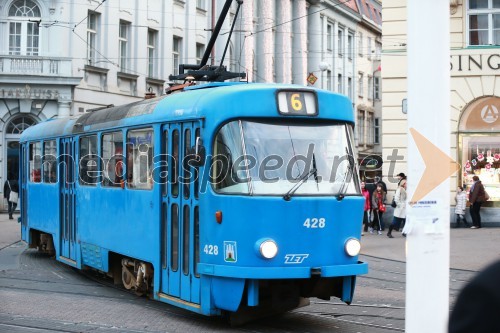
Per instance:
(49,162)
(186,215)
(163,176)
(112,158)
(197,134)
(141,180)
(35,160)
(88,150)
(174,235)
(186,166)
(174,164)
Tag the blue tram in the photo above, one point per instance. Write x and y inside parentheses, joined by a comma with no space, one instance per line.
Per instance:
(224,198)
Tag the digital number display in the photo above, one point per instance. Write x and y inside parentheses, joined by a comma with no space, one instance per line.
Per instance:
(297,103)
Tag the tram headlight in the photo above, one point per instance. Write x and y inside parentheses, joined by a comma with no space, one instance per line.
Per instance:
(352,247)
(267,248)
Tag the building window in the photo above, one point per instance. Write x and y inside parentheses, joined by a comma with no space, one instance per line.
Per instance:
(24,30)
(19,124)
(350,46)
(370,128)
(369,46)
(360,44)
(361,127)
(329,37)
(329,80)
(349,88)
(340,84)
(152,38)
(370,87)
(123,45)
(376,87)
(176,54)
(92,26)
(378,50)
(200,50)
(200,4)
(484,22)
(376,131)
(340,41)
(361,78)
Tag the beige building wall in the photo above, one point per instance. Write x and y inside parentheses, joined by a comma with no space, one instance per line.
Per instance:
(475,77)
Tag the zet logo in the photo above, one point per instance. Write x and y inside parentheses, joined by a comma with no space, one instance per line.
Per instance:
(295,258)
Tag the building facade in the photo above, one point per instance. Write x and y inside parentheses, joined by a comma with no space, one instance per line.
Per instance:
(475,94)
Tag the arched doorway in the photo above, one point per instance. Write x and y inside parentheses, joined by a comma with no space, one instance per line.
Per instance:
(479,145)
(13,130)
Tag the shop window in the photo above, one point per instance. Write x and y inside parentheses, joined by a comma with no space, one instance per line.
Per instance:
(480,141)
(140,159)
(112,159)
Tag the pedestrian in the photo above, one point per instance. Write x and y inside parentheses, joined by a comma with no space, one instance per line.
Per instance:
(367,209)
(461,200)
(477,306)
(401,176)
(400,211)
(378,206)
(11,193)
(381,182)
(477,196)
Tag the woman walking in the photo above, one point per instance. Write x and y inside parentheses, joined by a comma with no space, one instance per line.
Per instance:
(378,206)
(400,210)
(366,214)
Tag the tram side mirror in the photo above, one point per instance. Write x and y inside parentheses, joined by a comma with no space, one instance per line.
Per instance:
(197,153)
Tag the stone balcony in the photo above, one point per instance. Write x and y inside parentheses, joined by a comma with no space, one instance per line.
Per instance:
(34,65)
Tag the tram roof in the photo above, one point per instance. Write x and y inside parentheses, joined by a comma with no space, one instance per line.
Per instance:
(214,102)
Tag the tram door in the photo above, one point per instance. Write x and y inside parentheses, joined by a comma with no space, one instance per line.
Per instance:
(180,244)
(24,193)
(67,214)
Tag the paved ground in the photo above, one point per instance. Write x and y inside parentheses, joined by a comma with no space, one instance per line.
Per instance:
(470,249)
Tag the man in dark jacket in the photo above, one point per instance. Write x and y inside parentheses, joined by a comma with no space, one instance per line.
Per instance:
(477,196)
(11,185)
(478,304)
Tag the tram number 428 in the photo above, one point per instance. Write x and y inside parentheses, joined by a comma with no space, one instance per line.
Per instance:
(315,223)
(212,250)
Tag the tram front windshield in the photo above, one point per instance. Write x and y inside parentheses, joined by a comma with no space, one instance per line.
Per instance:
(257,158)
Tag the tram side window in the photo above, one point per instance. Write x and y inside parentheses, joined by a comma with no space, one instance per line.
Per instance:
(49,162)
(140,159)
(112,159)
(35,167)
(89,173)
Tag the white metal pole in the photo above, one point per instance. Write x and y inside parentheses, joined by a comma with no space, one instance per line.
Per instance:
(428,215)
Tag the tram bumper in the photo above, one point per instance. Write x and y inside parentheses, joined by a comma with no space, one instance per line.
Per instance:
(235,278)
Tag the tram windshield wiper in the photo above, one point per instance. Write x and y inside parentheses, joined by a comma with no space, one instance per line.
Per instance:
(301,181)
